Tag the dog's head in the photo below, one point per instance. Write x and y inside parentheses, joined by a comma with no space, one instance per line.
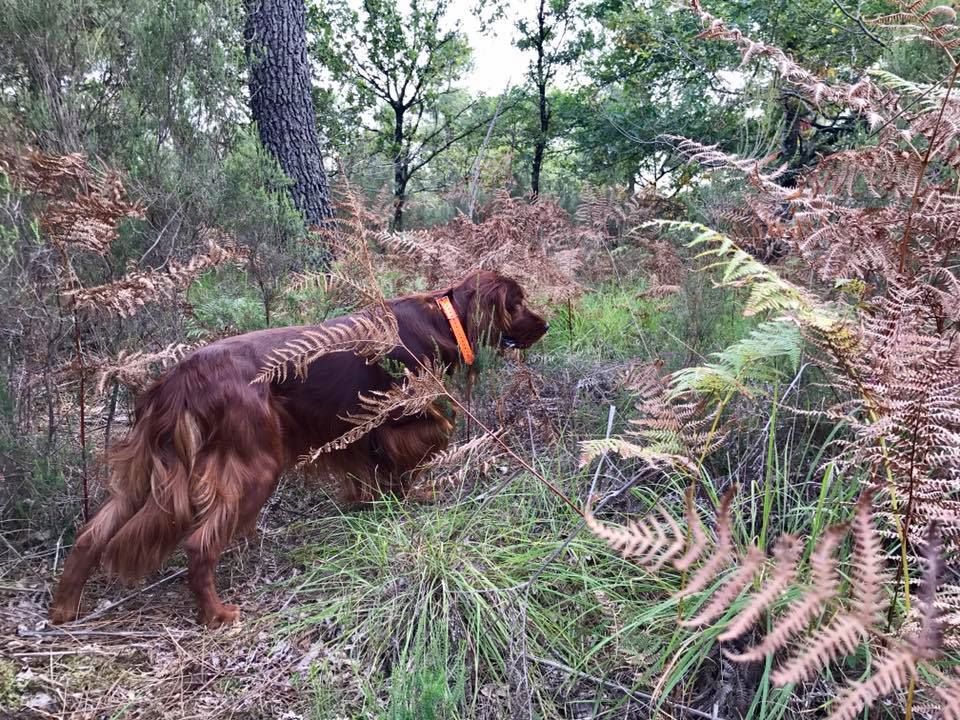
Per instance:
(493,307)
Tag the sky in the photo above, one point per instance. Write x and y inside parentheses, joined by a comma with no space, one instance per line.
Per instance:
(496,62)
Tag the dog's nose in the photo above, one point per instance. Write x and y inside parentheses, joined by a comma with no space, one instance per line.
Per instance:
(546,326)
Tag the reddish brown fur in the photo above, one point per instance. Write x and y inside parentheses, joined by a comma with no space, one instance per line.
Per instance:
(208,446)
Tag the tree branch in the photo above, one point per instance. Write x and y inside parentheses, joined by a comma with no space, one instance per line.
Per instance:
(859,21)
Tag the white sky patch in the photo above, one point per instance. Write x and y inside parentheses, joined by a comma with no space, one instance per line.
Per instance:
(497,62)
(733,80)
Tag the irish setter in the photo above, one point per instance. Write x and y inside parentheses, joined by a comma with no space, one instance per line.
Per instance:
(208,446)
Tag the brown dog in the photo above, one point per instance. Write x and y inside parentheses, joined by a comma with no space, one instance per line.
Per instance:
(208,446)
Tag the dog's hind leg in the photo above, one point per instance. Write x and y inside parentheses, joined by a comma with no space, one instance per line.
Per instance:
(231,490)
(202,561)
(85,556)
(218,492)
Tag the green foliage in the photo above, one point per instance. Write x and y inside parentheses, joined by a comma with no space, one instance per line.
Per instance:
(9,693)
(223,303)
(610,322)
(35,466)
(749,361)
(253,204)
(400,65)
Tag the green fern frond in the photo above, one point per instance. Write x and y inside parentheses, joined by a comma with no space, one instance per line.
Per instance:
(769,293)
(928,96)
(749,360)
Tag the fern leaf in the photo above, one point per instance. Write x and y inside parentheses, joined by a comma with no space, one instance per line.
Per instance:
(797,616)
(891,672)
(592,449)
(786,553)
(676,547)
(750,360)
(847,629)
(726,595)
(698,538)
(722,553)
(415,395)
(869,579)
(650,542)
(371,335)
(840,637)
(133,291)
(949,697)
(457,456)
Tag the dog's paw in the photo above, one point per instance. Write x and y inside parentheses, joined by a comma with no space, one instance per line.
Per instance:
(60,613)
(220,615)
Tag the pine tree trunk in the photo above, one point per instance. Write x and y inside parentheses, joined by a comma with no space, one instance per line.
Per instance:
(282,102)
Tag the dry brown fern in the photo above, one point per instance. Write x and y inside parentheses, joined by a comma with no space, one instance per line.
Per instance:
(786,554)
(83,207)
(611,212)
(370,334)
(898,664)
(903,385)
(536,242)
(352,280)
(858,617)
(671,430)
(849,627)
(135,369)
(822,589)
(655,542)
(949,698)
(449,468)
(876,229)
(721,555)
(129,294)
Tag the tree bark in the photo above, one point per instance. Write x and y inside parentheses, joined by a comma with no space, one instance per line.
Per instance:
(401,169)
(540,147)
(281,101)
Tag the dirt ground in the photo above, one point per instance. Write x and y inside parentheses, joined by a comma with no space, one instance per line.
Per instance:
(139,651)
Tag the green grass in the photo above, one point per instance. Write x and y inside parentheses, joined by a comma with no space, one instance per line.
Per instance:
(9,692)
(615,322)
(433,600)
(611,322)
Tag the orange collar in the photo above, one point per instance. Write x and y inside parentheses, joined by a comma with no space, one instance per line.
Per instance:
(450,313)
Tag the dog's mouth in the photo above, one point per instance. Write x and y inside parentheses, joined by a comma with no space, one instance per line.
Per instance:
(524,340)
(511,343)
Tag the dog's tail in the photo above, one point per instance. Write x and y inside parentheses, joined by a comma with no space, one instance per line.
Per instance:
(150,509)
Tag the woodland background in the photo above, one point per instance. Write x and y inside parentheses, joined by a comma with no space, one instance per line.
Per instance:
(741,219)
